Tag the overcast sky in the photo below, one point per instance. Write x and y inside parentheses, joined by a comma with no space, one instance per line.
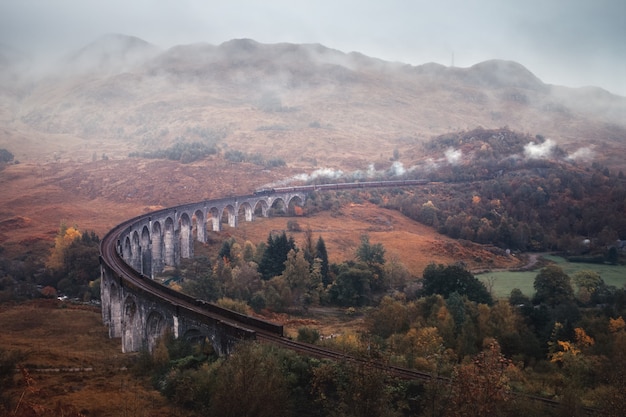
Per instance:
(566,42)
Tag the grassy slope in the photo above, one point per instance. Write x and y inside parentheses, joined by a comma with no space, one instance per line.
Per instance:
(60,336)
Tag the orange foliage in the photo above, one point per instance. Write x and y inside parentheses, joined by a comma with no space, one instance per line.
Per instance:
(615,325)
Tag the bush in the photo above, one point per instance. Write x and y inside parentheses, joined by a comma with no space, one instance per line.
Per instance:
(308,335)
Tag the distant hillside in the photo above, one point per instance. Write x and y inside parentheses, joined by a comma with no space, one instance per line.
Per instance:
(307,104)
(111,54)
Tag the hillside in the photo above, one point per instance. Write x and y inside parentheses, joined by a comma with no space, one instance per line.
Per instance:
(341,110)
(320,111)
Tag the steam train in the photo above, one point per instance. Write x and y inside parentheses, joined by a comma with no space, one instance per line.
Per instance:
(339,186)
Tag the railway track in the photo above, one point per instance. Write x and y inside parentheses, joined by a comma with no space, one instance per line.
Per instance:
(262,331)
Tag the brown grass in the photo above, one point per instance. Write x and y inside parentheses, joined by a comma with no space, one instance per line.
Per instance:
(59,336)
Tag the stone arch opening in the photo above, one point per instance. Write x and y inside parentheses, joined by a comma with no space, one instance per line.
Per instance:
(199,338)
(131,326)
(295,206)
(229,216)
(135,251)
(260,208)
(156,326)
(245,212)
(115,311)
(146,252)
(169,237)
(215,219)
(126,249)
(157,248)
(186,236)
(278,208)
(199,226)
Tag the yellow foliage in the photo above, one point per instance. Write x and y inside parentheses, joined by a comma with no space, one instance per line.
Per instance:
(64,238)
(567,348)
(615,325)
(476,199)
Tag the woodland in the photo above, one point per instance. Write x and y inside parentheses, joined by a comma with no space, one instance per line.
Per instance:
(486,356)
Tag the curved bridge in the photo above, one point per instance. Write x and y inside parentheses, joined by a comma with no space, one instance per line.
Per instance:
(139,310)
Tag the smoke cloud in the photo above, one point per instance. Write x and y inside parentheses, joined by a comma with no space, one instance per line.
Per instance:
(539,151)
(453,156)
(583,155)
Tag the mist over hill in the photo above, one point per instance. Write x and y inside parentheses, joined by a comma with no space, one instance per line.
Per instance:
(305,103)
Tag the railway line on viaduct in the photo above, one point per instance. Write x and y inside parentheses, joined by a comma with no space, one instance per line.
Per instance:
(138,310)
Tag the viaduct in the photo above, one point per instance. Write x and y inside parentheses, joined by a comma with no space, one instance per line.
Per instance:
(139,310)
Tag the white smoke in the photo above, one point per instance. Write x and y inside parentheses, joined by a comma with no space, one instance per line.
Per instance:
(539,150)
(330,173)
(397,169)
(582,154)
(453,156)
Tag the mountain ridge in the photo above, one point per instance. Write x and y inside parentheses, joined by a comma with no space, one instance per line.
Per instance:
(274,98)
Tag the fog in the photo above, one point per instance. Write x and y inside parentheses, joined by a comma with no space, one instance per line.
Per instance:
(565,42)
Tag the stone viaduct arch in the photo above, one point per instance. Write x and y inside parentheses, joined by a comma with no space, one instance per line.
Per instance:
(148,244)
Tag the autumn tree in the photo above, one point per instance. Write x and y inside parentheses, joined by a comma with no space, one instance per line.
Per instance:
(74,263)
(65,236)
(481,388)
(390,317)
(297,275)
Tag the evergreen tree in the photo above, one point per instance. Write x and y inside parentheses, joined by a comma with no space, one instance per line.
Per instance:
(273,261)
(322,255)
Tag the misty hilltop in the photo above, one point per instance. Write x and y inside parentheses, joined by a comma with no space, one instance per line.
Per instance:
(305,103)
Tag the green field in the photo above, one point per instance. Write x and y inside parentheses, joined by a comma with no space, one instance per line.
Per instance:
(505,281)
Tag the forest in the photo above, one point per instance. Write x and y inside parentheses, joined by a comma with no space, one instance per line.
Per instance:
(564,344)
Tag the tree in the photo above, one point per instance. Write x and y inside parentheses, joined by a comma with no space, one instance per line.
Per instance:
(204,286)
(250,383)
(62,241)
(273,261)
(588,283)
(352,286)
(552,287)
(322,255)
(370,253)
(5,156)
(224,252)
(481,388)
(390,317)
(297,276)
(444,280)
